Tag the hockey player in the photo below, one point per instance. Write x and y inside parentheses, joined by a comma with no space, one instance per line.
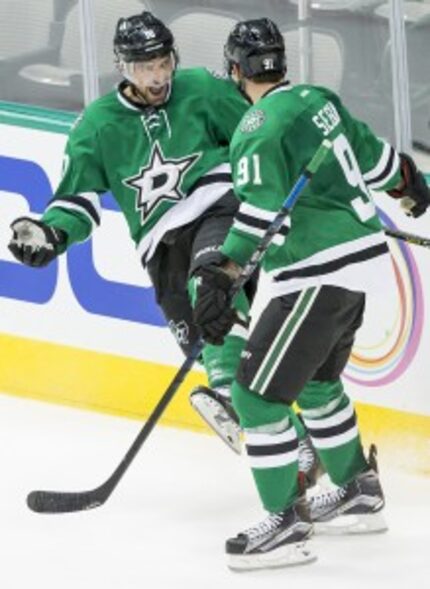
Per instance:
(321,264)
(159,143)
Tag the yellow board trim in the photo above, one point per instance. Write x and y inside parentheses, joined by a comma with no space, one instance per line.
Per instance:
(125,386)
(93,380)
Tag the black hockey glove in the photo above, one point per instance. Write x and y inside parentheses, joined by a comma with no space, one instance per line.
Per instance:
(34,243)
(213,313)
(415,193)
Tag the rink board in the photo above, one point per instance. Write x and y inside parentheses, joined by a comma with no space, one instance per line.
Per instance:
(131,388)
(86,331)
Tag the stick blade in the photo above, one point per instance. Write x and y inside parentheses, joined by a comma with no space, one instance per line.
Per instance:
(57,502)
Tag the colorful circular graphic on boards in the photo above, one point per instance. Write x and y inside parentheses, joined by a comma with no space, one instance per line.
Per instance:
(386,359)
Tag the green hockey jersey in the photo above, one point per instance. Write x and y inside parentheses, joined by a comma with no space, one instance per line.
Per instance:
(164,166)
(334,235)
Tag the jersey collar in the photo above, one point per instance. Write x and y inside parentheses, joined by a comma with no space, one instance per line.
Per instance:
(281,87)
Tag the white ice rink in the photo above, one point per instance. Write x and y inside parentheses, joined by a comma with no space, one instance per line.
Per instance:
(166,523)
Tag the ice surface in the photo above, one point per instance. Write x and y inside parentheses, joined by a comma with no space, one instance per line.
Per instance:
(166,523)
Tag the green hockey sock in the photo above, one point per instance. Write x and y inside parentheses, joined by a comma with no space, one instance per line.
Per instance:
(221,362)
(331,421)
(271,444)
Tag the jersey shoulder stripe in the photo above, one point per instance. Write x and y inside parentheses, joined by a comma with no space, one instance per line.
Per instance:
(385,168)
(86,204)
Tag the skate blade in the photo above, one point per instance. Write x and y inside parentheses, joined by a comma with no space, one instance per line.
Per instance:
(284,556)
(365,523)
(224,426)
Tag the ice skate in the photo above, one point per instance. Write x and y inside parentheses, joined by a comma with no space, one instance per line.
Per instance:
(278,541)
(217,411)
(355,508)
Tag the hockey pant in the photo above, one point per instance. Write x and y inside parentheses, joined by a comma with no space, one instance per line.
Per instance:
(171,269)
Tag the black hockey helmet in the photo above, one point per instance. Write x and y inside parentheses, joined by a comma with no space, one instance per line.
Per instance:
(257,47)
(142,37)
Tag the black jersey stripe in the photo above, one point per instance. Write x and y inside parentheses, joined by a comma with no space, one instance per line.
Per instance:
(258,223)
(335,430)
(334,265)
(386,172)
(79,202)
(272,449)
(211,179)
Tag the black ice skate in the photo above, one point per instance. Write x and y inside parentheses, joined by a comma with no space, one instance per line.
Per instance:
(354,508)
(218,412)
(279,540)
(309,462)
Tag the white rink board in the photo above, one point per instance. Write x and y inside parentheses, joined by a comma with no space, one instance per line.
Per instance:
(390,364)
(78,327)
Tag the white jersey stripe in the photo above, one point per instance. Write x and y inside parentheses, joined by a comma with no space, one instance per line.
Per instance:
(264,439)
(256,212)
(381,165)
(387,177)
(321,411)
(379,175)
(250,229)
(335,441)
(74,207)
(332,253)
(335,419)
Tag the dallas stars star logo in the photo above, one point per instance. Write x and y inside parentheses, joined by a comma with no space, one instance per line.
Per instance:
(159,180)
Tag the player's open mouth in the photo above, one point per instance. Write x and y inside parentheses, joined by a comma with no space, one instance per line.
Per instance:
(158,91)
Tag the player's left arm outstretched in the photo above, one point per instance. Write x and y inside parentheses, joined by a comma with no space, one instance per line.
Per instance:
(74,211)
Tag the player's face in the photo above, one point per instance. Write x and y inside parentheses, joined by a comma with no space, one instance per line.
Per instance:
(152,78)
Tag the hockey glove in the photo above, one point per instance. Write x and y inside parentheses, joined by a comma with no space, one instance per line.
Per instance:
(415,194)
(213,313)
(34,243)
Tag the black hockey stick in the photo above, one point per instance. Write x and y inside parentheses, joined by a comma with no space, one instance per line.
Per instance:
(408,237)
(64,502)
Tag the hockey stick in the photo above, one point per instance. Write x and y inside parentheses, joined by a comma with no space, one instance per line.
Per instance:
(64,502)
(408,237)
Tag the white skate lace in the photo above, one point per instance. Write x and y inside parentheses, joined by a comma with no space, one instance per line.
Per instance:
(267,525)
(306,456)
(327,499)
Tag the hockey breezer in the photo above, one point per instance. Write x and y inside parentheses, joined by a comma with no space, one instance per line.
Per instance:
(66,502)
